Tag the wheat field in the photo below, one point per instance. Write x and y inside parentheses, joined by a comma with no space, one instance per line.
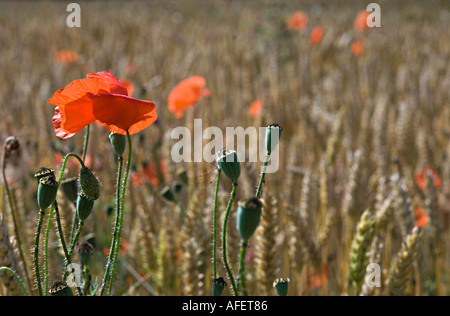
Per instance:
(363,157)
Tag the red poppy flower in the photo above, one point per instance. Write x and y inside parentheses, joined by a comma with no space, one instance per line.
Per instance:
(360,22)
(102,98)
(357,47)
(421,217)
(421,178)
(297,20)
(255,108)
(66,56)
(186,94)
(316,35)
(318,279)
(150,171)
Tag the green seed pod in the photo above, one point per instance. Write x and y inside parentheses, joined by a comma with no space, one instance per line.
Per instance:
(219,285)
(44,172)
(84,206)
(46,193)
(282,286)
(273,134)
(248,217)
(85,250)
(60,288)
(228,162)
(89,183)
(177,187)
(118,142)
(70,188)
(168,194)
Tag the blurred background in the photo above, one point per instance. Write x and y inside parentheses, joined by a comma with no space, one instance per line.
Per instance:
(365,115)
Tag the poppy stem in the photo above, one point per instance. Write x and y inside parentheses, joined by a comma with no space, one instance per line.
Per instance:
(224,239)
(47,232)
(263,174)
(36,251)
(116,224)
(122,211)
(241,274)
(17,278)
(216,193)
(86,141)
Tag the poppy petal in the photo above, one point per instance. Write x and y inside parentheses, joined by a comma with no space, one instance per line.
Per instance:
(120,113)
(76,114)
(56,120)
(186,94)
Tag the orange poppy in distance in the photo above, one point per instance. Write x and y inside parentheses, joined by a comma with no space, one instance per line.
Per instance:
(102,98)
(186,94)
(255,108)
(316,35)
(360,22)
(297,20)
(357,47)
(421,217)
(66,56)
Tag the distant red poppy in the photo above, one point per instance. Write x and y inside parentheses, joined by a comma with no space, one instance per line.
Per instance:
(421,217)
(186,94)
(150,171)
(421,178)
(129,85)
(66,56)
(316,35)
(297,20)
(102,98)
(360,22)
(317,279)
(255,108)
(357,47)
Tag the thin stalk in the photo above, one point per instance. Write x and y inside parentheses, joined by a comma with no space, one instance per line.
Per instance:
(216,193)
(122,211)
(224,239)
(16,228)
(36,251)
(87,280)
(72,247)
(17,278)
(116,224)
(263,174)
(241,272)
(47,232)
(86,141)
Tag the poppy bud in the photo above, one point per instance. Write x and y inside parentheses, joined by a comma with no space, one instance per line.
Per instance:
(85,250)
(282,286)
(89,183)
(70,188)
(273,134)
(219,285)
(177,187)
(46,193)
(228,162)
(84,206)
(248,217)
(60,288)
(118,142)
(44,172)
(168,194)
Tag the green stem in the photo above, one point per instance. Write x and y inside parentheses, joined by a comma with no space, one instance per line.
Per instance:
(36,251)
(263,174)
(224,239)
(47,232)
(87,281)
(241,273)
(116,224)
(16,228)
(86,140)
(122,211)
(216,193)
(71,248)
(17,278)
